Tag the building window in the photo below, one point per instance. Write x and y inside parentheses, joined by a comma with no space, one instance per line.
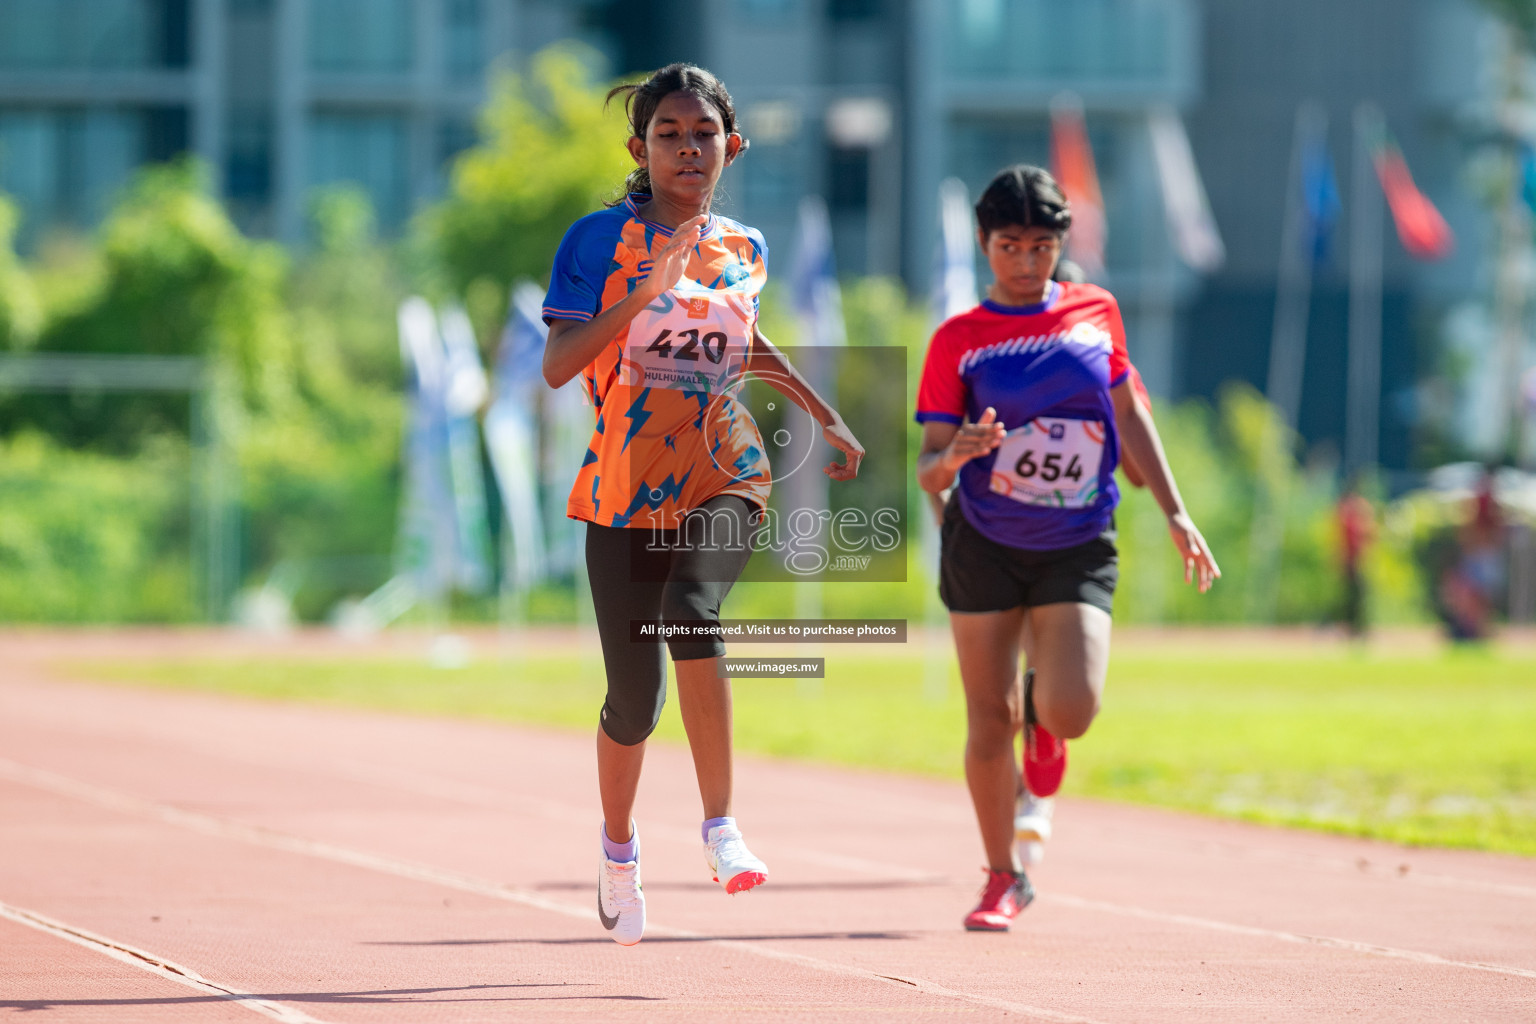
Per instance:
(855,10)
(454,136)
(367,150)
(1112,41)
(847,179)
(767,10)
(248,185)
(464,41)
(64,166)
(367,36)
(93,35)
(769,179)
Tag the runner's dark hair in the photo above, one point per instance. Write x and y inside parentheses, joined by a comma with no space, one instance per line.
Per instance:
(1069,272)
(1023,196)
(642,98)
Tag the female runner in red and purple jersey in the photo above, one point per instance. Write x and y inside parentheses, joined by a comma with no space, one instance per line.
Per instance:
(1026,402)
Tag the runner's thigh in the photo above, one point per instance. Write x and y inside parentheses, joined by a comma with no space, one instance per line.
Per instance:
(1070,644)
(987,646)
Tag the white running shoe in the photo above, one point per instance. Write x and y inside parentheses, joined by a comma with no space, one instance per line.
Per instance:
(620,899)
(732,863)
(1032,825)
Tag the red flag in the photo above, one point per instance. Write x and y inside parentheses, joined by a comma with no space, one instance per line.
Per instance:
(1072,166)
(1421,229)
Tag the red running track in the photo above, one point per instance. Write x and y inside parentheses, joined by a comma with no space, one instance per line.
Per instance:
(173,857)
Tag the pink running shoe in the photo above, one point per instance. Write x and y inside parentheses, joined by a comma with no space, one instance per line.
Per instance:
(1002,899)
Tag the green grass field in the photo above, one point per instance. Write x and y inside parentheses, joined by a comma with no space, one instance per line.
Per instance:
(1434,750)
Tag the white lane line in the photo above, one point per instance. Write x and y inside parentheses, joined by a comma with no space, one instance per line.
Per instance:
(920,811)
(475,795)
(1370,949)
(472,794)
(224,828)
(156,965)
(406,780)
(227,828)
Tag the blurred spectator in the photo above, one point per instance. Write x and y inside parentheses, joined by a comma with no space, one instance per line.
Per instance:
(1469,585)
(1357,529)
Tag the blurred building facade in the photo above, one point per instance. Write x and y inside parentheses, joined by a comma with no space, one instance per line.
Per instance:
(277,96)
(869,103)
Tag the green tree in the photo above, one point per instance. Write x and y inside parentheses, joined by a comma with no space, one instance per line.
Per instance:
(321,472)
(176,278)
(549,153)
(20,314)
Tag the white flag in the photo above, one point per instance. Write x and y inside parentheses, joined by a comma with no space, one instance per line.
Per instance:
(465,389)
(955,283)
(1191,226)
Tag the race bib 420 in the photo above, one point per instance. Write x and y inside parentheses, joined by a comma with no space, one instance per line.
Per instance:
(1052,462)
(690,339)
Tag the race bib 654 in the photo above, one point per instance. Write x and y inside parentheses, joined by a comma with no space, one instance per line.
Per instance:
(1051,462)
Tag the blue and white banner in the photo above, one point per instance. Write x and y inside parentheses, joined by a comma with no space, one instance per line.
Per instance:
(427,540)
(818,301)
(512,437)
(465,389)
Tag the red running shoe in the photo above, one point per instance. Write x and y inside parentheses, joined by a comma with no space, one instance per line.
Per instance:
(1005,895)
(1045,761)
(1045,756)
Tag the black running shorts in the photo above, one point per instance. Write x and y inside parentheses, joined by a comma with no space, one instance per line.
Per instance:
(677,575)
(979,575)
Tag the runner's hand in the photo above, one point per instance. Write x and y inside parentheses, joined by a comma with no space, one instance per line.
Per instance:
(667,268)
(973,440)
(1199,564)
(840,437)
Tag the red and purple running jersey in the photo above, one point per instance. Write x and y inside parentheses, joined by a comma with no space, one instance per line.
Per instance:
(670,432)
(1047,369)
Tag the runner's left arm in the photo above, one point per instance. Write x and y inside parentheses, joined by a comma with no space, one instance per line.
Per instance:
(768,364)
(1139,437)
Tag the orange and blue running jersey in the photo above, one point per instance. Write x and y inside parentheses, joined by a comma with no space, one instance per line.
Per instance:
(1047,369)
(671,433)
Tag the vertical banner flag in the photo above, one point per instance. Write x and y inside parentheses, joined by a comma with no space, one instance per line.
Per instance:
(465,390)
(818,304)
(1421,229)
(1320,197)
(1072,166)
(955,282)
(511,434)
(1191,225)
(817,298)
(1528,174)
(427,540)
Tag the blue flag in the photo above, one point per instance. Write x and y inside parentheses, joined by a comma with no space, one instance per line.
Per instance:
(1320,195)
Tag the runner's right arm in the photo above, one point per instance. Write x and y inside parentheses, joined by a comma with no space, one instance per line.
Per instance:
(573,344)
(948,446)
